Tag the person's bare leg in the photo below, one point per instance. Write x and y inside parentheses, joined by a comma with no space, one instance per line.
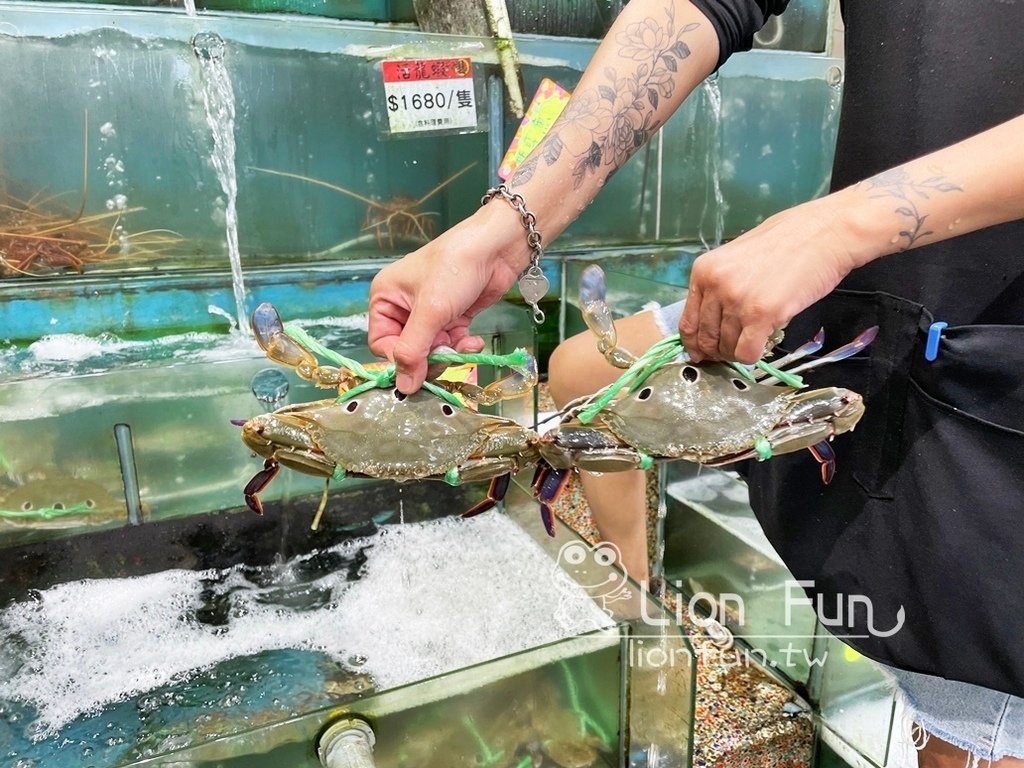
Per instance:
(941,754)
(617,499)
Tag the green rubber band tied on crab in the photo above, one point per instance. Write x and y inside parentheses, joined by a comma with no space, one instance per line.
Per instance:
(338,474)
(385,378)
(47,513)
(763,448)
(660,354)
(587,723)
(452,476)
(646,462)
(489,756)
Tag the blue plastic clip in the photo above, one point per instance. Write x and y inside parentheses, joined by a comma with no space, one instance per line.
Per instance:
(931,347)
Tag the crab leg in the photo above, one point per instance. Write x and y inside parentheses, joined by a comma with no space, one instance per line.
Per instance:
(495,493)
(827,458)
(283,349)
(260,481)
(517,384)
(548,483)
(845,351)
(800,352)
(598,317)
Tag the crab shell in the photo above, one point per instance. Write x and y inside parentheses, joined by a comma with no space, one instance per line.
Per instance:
(384,434)
(704,413)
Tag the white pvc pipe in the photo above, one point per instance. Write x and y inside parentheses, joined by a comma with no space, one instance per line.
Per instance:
(347,743)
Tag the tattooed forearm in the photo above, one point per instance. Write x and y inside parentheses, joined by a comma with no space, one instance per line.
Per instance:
(898,184)
(610,122)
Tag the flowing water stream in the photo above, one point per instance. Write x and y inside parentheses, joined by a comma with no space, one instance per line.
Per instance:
(714,202)
(219,103)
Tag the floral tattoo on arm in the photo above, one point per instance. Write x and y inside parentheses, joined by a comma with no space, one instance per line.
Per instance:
(619,114)
(898,184)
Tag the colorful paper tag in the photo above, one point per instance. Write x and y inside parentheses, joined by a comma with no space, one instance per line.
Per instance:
(463,373)
(547,105)
(429,94)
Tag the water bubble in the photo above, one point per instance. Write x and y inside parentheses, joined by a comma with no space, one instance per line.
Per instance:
(270,387)
(107,130)
(834,77)
(208,46)
(117,203)
(356,660)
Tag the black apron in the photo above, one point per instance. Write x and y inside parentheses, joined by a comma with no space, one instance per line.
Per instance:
(926,512)
(924,521)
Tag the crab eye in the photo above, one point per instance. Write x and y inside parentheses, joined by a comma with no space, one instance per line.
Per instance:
(90,503)
(26,506)
(644,393)
(400,396)
(353,406)
(739,384)
(690,374)
(447,410)
(59,505)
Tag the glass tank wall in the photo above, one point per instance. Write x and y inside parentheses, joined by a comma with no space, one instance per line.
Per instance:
(715,549)
(236,639)
(160,175)
(105,134)
(176,396)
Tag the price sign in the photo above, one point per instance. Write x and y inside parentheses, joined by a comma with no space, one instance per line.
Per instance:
(429,94)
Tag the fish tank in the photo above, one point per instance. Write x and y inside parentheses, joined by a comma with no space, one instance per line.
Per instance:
(118,429)
(160,130)
(228,639)
(161,174)
(714,554)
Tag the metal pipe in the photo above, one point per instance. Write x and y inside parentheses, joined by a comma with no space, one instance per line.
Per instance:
(347,743)
(495,128)
(129,474)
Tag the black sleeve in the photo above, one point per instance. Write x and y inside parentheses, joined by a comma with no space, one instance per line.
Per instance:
(736,21)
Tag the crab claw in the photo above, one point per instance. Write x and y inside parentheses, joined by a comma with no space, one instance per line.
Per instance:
(260,481)
(594,305)
(266,323)
(279,346)
(598,316)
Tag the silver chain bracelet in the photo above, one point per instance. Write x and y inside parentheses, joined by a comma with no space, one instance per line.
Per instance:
(533,285)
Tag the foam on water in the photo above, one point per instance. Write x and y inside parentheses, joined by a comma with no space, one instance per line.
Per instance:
(73,353)
(432,597)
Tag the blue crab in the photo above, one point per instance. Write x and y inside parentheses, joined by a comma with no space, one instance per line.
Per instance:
(382,433)
(668,408)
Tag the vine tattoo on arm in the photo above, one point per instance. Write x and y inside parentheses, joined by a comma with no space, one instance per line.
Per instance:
(897,183)
(618,115)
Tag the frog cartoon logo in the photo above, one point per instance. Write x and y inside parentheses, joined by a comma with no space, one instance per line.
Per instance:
(589,567)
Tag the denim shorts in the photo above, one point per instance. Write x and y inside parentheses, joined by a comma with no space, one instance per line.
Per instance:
(668,317)
(984,722)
